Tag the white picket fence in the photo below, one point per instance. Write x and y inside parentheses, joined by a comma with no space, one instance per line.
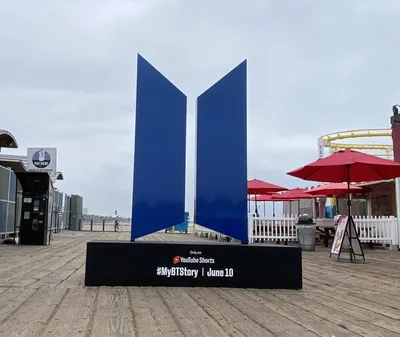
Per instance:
(378,229)
(370,228)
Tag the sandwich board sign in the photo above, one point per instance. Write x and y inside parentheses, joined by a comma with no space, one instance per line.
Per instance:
(346,237)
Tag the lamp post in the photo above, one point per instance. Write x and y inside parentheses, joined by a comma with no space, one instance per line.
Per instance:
(395,123)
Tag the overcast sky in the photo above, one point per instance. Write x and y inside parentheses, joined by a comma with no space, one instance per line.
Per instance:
(68,72)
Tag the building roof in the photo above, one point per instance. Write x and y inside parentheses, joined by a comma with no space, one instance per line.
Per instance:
(7,140)
(369,183)
(16,162)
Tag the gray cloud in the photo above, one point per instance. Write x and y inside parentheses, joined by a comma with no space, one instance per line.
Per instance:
(67,77)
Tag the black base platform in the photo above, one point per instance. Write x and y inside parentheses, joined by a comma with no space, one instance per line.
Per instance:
(193,264)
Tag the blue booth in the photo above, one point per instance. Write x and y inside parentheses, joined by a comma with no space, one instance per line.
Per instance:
(182,227)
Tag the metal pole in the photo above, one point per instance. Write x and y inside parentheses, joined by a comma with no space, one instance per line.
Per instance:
(298,207)
(397,193)
(395,123)
(348,228)
(348,191)
(91,225)
(337,205)
(104,224)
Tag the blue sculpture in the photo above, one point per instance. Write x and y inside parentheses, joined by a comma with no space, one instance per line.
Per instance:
(160,155)
(221,165)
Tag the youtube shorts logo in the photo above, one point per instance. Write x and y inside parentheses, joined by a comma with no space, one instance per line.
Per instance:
(176,260)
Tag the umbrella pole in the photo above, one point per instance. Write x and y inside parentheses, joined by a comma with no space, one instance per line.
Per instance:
(298,207)
(349,211)
(273,209)
(348,194)
(264,209)
(255,202)
(337,205)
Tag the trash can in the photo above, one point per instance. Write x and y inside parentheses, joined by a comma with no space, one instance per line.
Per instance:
(306,229)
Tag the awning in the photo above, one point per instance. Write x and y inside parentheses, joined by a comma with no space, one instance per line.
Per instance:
(7,140)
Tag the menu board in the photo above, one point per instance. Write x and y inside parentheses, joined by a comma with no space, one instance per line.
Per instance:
(339,235)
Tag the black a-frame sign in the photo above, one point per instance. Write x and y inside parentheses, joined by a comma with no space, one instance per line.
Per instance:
(347,237)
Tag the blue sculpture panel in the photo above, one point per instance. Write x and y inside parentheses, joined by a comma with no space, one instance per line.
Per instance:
(221,163)
(160,153)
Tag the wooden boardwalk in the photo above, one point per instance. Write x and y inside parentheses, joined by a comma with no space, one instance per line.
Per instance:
(42,294)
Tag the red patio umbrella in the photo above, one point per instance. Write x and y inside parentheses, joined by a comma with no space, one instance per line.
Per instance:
(268,197)
(264,197)
(348,166)
(256,186)
(335,189)
(294,194)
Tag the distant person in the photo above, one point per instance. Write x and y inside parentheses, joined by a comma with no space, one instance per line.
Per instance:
(116,225)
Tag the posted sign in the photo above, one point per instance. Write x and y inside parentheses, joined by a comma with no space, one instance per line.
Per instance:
(192,264)
(42,159)
(347,237)
(339,236)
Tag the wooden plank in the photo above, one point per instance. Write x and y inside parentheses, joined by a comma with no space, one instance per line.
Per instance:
(270,316)
(338,317)
(11,301)
(39,269)
(47,266)
(351,276)
(390,284)
(113,316)
(333,278)
(33,276)
(76,279)
(230,318)
(344,303)
(73,317)
(19,257)
(193,320)
(359,304)
(144,318)
(152,317)
(56,277)
(344,289)
(303,318)
(32,317)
